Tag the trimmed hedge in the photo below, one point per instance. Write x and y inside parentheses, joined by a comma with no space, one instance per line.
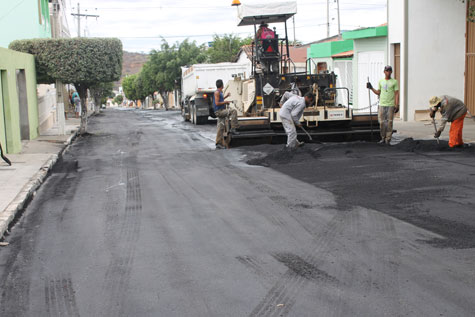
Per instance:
(78,60)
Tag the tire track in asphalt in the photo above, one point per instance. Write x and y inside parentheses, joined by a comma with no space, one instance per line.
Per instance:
(285,291)
(128,224)
(118,273)
(60,299)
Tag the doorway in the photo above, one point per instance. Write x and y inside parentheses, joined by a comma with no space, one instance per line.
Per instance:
(23,104)
(397,70)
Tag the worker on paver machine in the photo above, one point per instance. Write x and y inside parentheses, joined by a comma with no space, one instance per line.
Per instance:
(222,113)
(290,114)
(452,110)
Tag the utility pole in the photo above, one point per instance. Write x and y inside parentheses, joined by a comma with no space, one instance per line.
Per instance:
(328,18)
(338,10)
(295,39)
(57,27)
(79,15)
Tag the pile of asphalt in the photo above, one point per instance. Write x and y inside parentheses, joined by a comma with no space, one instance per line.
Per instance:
(268,155)
(423,183)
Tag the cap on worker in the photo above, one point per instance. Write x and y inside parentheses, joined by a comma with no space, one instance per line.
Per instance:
(388,68)
(434,101)
(263,24)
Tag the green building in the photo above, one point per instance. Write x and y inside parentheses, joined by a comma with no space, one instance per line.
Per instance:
(24,19)
(354,57)
(18,99)
(369,58)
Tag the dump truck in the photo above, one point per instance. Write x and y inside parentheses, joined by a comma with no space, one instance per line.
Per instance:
(199,84)
(273,73)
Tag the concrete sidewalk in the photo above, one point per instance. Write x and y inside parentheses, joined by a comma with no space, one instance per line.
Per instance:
(425,130)
(19,182)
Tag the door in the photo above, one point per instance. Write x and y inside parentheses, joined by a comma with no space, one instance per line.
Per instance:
(23,103)
(370,64)
(397,69)
(470,68)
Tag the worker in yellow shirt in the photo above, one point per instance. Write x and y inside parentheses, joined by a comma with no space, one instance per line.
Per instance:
(388,92)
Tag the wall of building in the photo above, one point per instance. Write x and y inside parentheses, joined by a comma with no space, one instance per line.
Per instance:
(436,51)
(46,107)
(12,107)
(24,20)
(372,44)
(243,59)
(396,35)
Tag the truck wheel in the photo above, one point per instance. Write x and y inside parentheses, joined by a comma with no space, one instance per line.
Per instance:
(193,114)
(183,114)
(201,119)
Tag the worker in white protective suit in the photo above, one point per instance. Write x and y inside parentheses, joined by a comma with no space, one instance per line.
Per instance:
(292,107)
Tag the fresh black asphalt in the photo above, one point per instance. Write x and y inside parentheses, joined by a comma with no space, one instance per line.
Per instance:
(142,217)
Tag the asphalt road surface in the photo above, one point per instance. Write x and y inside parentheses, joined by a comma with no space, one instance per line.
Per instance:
(144,218)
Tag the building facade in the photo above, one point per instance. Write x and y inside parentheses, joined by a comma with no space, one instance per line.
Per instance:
(18,99)
(432,47)
(25,19)
(369,58)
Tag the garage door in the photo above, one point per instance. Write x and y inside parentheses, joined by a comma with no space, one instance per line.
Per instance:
(370,64)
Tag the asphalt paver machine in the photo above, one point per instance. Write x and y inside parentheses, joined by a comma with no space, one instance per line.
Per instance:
(273,73)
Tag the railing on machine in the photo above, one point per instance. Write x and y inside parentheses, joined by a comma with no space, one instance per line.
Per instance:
(335,89)
(308,63)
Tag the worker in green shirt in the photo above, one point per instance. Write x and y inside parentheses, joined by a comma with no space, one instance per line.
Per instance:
(388,92)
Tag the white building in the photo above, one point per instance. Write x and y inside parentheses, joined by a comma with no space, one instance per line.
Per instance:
(430,52)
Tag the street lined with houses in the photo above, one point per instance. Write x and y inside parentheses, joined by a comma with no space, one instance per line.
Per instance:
(143,217)
(237,158)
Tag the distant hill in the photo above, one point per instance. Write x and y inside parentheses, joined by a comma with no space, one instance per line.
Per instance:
(132,64)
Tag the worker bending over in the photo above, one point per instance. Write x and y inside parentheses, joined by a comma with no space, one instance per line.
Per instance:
(452,110)
(222,114)
(292,107)
(388,92)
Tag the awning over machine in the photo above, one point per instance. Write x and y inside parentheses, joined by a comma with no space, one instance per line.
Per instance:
(251,14)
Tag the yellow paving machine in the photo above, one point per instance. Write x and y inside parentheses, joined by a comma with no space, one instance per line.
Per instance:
(273,73)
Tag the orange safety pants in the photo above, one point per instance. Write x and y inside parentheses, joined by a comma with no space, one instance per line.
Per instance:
(455,135)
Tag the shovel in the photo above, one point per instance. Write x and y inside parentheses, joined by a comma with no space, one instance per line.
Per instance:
(435,128)
(308,134)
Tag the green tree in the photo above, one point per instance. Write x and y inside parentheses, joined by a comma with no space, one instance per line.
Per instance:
(226,47)
(128,85)
(119,99)
(100,92)
(162,72)
(83,62)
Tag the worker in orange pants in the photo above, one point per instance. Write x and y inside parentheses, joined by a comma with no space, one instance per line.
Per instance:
(452,110)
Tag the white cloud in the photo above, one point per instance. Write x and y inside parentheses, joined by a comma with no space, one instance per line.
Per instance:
(141,23)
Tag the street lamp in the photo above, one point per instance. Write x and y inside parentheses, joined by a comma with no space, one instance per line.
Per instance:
(236,3)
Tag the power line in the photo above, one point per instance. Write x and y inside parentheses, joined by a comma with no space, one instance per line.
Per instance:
(213,34)
(164,7)
(80,15)
(6,14)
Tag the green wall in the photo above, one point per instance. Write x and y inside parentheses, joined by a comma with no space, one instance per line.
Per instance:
(328,49)
(10,129)
(365,33)
(23,19)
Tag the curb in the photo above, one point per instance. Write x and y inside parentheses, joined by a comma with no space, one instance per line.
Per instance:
(9,214)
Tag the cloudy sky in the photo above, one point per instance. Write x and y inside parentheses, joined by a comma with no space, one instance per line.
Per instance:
(141,24)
